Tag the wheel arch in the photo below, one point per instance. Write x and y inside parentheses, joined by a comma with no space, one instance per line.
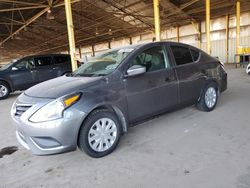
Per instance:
(8,83)
(208,81)
(119,114)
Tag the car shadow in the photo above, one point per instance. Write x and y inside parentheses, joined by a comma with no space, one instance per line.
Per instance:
(15,94)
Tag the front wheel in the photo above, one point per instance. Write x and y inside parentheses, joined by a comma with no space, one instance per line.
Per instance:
(209,97)
(100,133)
(4,90)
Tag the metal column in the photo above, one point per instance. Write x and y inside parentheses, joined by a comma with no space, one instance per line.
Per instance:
(208,26)
(70,27)
(237,27)
(199,34)
(80,51)
(178,33)
(157,20)
(227,37)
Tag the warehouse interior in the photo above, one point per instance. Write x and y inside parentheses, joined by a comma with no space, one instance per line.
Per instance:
(182,148)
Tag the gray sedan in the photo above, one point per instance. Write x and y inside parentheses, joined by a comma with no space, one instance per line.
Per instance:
(93,106)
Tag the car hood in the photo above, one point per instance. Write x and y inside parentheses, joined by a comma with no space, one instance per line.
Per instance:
(60,86)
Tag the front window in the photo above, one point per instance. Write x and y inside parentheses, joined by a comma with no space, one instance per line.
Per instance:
(103,64)
(25,64)
(153,59)
(8,65)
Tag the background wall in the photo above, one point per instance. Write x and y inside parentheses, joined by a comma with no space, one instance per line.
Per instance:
(189,34)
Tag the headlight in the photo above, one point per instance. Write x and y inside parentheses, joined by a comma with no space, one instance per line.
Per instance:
(54,110)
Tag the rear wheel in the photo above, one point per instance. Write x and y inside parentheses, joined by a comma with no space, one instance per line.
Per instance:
(4,90)
(209,97)
(100,133)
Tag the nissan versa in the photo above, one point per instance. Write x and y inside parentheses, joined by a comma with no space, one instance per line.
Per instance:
(93,106)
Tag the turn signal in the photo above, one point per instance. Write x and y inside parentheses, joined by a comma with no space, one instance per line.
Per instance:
(71,100)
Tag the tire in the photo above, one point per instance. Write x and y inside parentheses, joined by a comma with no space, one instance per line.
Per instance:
(209,97)
(4,90)
(248,69)
(99,134)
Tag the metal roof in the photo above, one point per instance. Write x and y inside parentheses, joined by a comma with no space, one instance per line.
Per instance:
(26,27)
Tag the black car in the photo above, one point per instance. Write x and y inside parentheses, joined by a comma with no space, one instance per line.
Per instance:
(95,104)
(31,70)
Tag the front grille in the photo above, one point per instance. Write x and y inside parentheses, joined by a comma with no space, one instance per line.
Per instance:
(21,108)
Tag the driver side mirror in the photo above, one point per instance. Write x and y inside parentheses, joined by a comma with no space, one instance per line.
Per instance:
(14,68)
(136,70)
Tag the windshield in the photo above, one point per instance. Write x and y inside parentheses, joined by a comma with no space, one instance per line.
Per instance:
(6,66)
(103,64)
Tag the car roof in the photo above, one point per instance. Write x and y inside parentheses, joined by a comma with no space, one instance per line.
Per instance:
(44,55)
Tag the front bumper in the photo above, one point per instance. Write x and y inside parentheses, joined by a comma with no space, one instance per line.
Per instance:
(49,137)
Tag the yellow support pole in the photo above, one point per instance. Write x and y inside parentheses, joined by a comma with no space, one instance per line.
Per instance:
(237,27)
(72,47)
(157,20)
(227,37)
(178,33)
(208,26)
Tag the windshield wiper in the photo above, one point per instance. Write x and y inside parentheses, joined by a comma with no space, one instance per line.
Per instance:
(88,75)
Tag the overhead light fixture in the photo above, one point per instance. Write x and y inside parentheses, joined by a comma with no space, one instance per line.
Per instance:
(96,31)
(50,15)
(110,32)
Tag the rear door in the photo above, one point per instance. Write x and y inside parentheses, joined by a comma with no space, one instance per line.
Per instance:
(62,64)
(23,74)
(191,79)
(154,91)
(45,69)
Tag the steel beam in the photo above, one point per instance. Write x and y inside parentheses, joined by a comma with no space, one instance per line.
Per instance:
(28,22)
(157,20)
(208,26)
(19,2)
(23,8)
(71,36)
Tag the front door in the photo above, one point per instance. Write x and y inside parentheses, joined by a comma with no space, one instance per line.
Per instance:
(23,74)
(154,91)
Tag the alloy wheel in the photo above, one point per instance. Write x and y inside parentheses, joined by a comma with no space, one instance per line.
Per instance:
(210,97)
(3,90)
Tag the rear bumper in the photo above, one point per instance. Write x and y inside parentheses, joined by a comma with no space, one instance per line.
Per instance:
(223,82)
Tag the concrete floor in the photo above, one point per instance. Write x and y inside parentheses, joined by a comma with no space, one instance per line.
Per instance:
(186,148)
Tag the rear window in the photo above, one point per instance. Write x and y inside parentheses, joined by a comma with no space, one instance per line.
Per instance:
(61,59)
(182,55)
(195,54)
